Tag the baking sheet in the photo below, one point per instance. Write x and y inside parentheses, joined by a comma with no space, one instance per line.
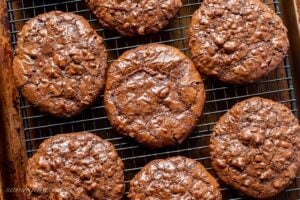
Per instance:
(220,97)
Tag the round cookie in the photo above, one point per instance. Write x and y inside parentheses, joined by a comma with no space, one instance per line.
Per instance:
(60,63)
(75,166)
(175,178)
(237,41)
(255,147)
(138,17)
(154,94)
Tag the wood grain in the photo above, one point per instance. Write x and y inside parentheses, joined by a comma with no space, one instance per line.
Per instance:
(12,138)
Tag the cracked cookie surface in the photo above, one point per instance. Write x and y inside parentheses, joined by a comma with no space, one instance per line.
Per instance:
(75,166)
(175,178)
(255,147)
(237,41)
(154,94)
(134,17)
(60,63)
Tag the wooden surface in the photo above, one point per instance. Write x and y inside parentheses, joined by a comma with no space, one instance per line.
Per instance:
(291,20)
(12,137)
(297,2)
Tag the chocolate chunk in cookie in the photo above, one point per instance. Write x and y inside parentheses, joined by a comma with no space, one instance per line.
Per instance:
(255,147)
(175,178)
(75,166)
(60,63)
(134,17)
(237,41)
(154,94)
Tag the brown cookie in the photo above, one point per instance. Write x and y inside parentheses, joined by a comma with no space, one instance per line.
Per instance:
(138,17)
(75,166)
(60,63)
(154,94)
(255,147)
(176,178)
(237,41)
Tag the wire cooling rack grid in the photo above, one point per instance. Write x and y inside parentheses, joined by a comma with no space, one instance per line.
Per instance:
(220,97)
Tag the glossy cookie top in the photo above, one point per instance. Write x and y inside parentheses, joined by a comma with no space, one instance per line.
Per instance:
(255,147)
(237,41)
(60,63)
(154,94)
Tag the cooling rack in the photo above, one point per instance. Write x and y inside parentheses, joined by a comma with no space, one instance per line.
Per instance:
(220,97)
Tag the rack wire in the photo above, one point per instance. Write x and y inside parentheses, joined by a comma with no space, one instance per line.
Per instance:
(220,97)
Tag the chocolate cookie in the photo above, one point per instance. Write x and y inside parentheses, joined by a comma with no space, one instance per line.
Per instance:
(255,147)
(75,166)
(237,41)
(60,63)
(154,94)
(176,178)
(138,17)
